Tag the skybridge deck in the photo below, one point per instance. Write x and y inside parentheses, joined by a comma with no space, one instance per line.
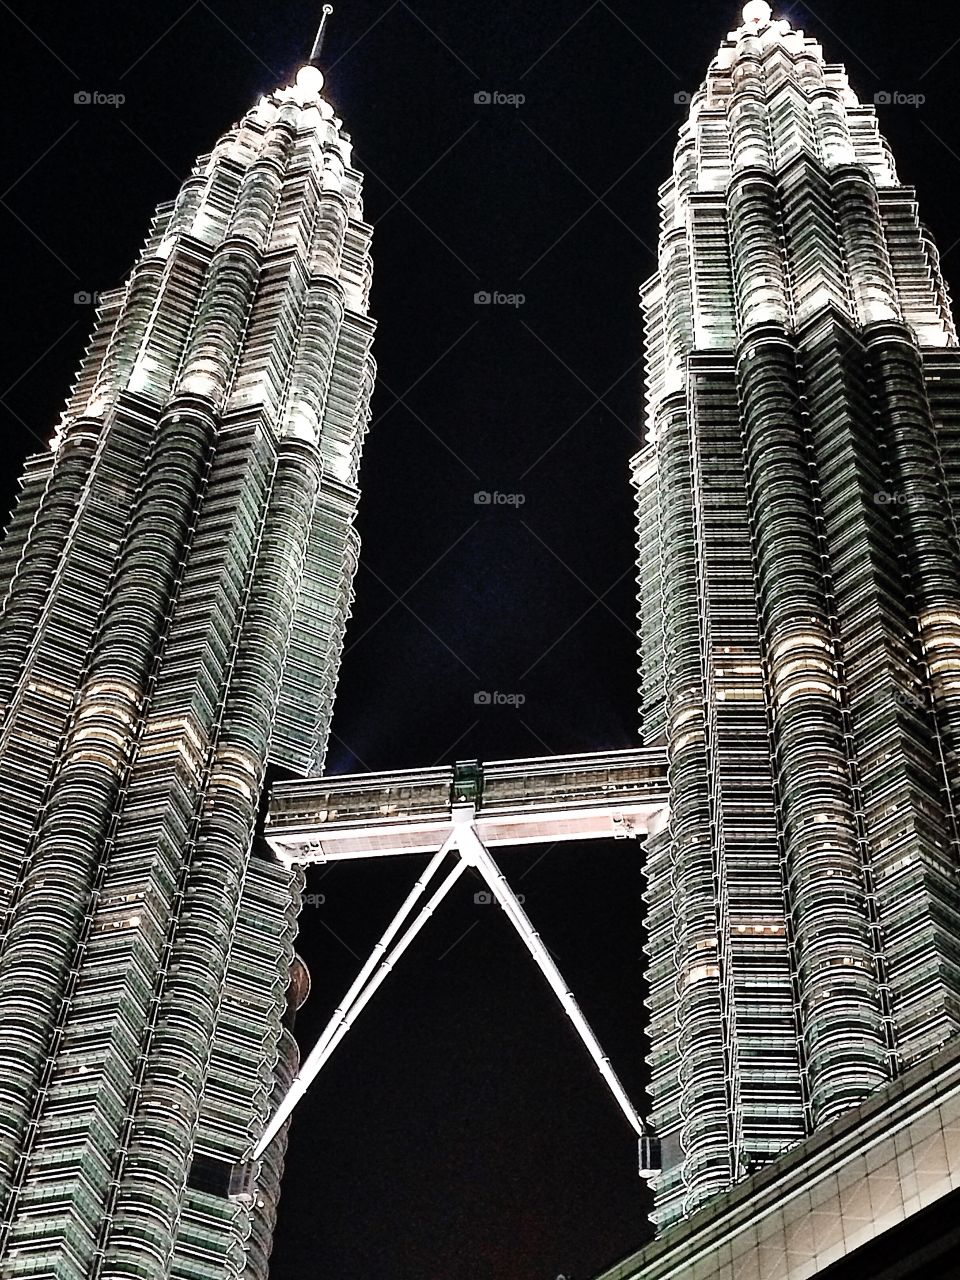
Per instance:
(618,794)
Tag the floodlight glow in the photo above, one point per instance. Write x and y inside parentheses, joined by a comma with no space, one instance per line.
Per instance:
(756,13)
(310,79)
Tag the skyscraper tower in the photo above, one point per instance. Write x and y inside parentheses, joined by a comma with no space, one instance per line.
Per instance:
(175,583)
(799,494)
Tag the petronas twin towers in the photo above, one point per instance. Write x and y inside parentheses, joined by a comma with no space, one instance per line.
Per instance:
(174,588)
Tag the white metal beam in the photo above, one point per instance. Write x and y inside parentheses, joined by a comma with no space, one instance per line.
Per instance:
(472,846)
(465,839)
(360,994)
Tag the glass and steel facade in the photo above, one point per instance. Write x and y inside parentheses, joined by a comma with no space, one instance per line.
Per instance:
(799,566)
(174,588)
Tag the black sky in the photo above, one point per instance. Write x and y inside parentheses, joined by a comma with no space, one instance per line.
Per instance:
(460,1131)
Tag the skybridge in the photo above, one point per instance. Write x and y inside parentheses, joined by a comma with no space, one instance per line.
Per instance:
(616,794)
(465,811)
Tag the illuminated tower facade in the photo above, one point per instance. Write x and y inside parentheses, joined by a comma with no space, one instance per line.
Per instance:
(799,495)
(175,582)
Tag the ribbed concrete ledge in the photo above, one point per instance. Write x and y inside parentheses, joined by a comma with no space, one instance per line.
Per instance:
(843,1187)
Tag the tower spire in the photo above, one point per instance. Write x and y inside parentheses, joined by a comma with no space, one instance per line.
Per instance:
(321,34)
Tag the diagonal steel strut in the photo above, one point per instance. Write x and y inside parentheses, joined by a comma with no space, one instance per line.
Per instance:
(472,847)
(365,986)
(473,853)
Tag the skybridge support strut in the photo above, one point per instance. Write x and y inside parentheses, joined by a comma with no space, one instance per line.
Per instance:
(473,853)
(365,986)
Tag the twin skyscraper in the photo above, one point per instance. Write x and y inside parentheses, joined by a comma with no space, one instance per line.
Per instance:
(175,583)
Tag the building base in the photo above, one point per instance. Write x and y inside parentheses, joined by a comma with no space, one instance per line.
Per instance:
(869,1198)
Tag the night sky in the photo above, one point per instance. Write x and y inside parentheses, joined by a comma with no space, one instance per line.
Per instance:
(461,1129)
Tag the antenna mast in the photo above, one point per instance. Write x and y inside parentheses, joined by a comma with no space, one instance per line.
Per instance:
(321,34)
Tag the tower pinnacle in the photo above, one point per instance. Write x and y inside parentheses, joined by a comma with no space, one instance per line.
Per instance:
(310,77)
